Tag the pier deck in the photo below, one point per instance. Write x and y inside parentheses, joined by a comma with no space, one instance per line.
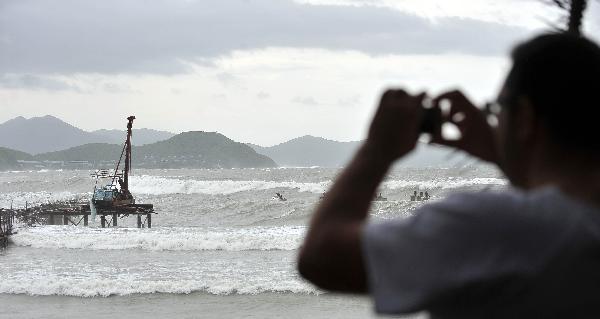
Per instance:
(71,213)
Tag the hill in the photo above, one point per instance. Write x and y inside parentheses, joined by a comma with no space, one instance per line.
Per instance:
(49,134)
(426,155)
(185,150)
(43,134)
(9,158)
(307,151)
(200,149)
(141,136)
(93,152)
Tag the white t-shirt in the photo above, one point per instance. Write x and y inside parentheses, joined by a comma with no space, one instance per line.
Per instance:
(488,254)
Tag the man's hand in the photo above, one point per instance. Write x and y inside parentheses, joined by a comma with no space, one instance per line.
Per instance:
(395,128)
(477,136)
(332,256)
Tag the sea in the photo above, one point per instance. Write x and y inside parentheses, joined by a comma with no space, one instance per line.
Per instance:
(221,245)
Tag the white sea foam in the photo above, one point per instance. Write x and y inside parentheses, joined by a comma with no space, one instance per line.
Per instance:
(154,185)
(178,239)
(104,282)
(66,286)
(20,199)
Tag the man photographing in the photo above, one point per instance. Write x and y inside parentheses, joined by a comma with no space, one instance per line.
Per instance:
(532,250)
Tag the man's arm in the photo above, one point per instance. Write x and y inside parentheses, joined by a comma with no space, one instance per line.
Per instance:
(331,256)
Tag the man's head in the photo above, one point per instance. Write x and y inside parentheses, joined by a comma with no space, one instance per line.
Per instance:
(549,101)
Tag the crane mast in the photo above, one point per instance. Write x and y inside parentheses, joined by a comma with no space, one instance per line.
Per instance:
(128,154)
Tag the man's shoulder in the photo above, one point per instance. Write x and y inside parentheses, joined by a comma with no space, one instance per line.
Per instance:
(480,206)
(510,202)
(490,200)
(511,212)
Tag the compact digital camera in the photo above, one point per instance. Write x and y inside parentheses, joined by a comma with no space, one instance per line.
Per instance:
(431,120)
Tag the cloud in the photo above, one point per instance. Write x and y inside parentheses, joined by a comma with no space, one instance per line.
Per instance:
(350,101)
(263,96)
(116,88)
(165,36)
(35,82)
(226,78)
(306,100)
(219,96)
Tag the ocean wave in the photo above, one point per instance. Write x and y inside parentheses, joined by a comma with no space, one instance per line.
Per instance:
(21,199)
(154,185)
(103,287)
(177,239)
(449,183)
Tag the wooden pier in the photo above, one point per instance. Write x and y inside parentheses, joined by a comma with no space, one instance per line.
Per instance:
(110,202)
(73,213)
(108,216)
(7,220)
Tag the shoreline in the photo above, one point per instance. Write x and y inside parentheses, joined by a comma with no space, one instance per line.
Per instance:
(194,305)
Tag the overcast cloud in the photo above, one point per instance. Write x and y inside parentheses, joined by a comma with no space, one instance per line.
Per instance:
(260,71)
(163,36)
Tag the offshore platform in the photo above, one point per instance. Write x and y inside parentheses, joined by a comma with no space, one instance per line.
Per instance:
(109,201)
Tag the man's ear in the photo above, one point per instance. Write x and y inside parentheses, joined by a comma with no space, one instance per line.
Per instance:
(526,121)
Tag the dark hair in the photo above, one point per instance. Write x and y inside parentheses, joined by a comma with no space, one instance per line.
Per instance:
(560,75)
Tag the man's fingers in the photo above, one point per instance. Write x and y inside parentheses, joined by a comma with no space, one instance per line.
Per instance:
(393,93)
(454,95)
(459,103)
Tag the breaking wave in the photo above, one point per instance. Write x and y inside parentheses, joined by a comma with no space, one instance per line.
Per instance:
(20,199)
(449,183)
(102,287)
(157,239)
(154,185)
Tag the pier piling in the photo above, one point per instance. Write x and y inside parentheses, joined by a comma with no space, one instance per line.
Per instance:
(7,219)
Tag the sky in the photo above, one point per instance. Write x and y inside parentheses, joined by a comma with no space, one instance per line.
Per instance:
(259,71)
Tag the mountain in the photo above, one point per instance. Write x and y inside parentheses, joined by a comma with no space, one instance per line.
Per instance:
(9,158)
(200,149)
(43,134)
(185,150)
(48,134)
(426,155)
(307,151)
(141,136)
(93,152)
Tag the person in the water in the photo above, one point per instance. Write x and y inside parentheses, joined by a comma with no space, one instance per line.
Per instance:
(414,197)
